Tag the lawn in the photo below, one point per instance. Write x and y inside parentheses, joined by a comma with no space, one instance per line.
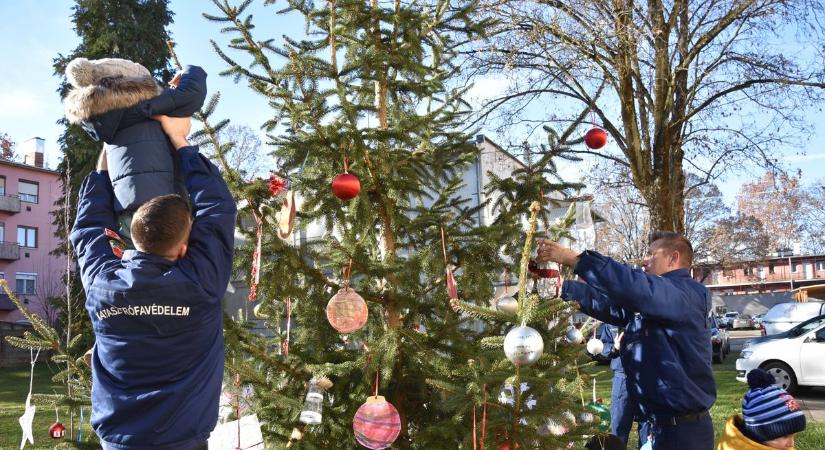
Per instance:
(729,393)
(14,385)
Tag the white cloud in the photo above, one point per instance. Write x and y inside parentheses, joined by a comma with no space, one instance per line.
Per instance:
(808,157)
(485,88)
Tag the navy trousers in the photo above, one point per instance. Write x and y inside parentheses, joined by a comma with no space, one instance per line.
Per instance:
(684,436)
(623,411)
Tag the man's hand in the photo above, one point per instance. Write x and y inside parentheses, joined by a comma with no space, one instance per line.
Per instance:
(177,128)
(102,165)
(553,251)
(173,83)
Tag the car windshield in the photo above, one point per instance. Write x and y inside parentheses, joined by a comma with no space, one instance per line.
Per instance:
(733,314)
(806,326)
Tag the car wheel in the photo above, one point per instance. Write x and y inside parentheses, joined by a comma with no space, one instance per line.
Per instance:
(783,375)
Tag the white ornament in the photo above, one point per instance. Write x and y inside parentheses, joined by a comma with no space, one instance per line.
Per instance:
(587,417)
(595,346)
(507,304)
(552,427)
(523,345)
(26,422)
(569,418)
(574,335)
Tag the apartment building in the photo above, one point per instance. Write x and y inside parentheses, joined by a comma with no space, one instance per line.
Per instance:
(28,192)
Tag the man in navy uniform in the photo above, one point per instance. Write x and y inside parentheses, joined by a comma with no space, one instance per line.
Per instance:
(666,349)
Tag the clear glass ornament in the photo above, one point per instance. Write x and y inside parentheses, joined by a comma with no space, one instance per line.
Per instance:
(313,405)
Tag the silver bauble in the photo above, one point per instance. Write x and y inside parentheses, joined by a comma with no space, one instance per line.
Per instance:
(507,304)
(595,346)
(568,418)
(587,417)
(551,427)
(574,335)
(523,345)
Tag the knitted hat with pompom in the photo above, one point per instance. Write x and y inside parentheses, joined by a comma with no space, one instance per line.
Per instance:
(769,412)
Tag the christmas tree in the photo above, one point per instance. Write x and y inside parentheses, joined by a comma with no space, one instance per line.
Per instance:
(368,101)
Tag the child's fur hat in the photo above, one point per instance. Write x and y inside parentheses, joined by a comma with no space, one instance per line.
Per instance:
(84,72)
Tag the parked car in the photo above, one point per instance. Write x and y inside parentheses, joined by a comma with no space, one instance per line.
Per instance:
(757,319)
(743,321)
(795,357)
(728,318)
(784,316)
(719,340)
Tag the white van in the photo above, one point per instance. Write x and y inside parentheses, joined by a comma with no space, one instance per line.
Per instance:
(784,316)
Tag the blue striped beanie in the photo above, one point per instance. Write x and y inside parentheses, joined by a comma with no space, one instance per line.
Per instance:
(769,412)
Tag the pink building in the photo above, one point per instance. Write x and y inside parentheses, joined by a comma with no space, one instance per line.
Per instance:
(28,192)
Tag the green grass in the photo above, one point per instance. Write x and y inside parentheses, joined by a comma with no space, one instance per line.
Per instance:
(14,385)
(729,393)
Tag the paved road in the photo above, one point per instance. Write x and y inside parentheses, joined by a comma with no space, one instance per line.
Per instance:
(811,399)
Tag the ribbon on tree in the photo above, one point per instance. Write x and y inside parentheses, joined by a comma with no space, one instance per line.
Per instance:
(285,343)
(255,275)
(452,290)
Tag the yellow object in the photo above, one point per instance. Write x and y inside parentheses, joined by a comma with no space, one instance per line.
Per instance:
(734,439)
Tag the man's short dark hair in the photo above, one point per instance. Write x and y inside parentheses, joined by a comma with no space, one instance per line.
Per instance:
(161,223)
(674,242)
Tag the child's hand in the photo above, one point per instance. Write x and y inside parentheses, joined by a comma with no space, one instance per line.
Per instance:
(173,83)
(177,128)
(102,165)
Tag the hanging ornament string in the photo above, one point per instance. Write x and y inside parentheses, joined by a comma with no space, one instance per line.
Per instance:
(288,325)
(592,117)
(377,379)
(452,290)
(238,406)
(345,273)
(475,440)
(484,417)
(594,389)
(56,414)
(506,280)
(255,275)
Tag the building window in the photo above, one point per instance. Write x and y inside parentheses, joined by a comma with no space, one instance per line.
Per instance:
(820,265)
(2,232)
(26,236)
(795,267)
(2,185)
(771,268)
(27,191)
(748,270)
(25,282)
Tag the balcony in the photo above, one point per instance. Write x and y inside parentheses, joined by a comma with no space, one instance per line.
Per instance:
(9,251)
(9,203)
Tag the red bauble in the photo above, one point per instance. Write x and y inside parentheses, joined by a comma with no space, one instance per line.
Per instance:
(595,138)
(57,431)
(346,186)
(376,423)
(506,446)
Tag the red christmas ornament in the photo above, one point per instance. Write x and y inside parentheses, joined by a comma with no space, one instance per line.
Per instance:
(347,311)
(376,423)
(57,431)
(345,185)
(595,138)
(507,446)
(277,185)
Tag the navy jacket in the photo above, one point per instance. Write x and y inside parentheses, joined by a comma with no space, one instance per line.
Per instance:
(139,155)
(666,349)
(157,363)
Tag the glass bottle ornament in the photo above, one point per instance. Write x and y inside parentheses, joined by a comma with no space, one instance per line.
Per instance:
(507,304)
(313,405)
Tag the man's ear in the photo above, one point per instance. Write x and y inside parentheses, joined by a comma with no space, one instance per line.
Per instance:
(675,258)
(182,250)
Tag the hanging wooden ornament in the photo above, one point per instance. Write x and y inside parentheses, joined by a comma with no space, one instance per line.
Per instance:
(452,289)
(286,216)
(347,311)
(376,423)
(346,186)
(57,431)
(255,274)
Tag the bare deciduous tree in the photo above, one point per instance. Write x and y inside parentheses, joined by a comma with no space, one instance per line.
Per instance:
(245,153)
(777,201)
(684,85)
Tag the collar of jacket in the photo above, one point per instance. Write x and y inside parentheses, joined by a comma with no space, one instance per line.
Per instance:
(733,438)
(138,258)
(677,273)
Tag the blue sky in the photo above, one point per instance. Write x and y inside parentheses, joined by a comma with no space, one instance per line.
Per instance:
(35,32)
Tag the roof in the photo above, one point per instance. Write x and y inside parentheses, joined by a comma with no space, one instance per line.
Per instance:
(5,162)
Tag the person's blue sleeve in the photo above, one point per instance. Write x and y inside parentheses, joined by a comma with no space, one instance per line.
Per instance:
(594,303)
(95,214)
(183,101)
(208,260)
(633,289)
